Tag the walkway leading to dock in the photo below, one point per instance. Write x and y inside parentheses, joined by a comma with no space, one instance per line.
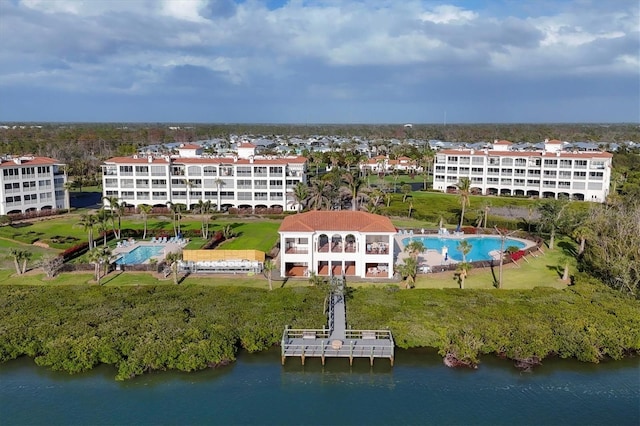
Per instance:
(337,341)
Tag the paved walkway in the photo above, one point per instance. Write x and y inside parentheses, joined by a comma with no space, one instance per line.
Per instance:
(338,321)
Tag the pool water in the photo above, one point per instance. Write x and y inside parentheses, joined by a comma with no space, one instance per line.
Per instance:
(139,255)
(480,246)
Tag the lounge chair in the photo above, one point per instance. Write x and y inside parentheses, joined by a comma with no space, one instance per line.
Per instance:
(164,240)
(153,239)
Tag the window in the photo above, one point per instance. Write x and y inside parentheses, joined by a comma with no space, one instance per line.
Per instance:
(596,175)
(551,163)
(194,170)
(452,170)
(142,183)
(565,164)
(275,170)
(261,196)
(158,171)
(244,171)
(452,158)
(10,172)
(260,171)
(597,164)
(507,161)
(142,170)
(244,183)
(275,195)
(45,196)
(177,171)
(210,171)
(12,187)
(44,184)
(111,182)
(44,169)
(126,170)
(126,183)
(159,182)
(28,171)
(260,184)
(127,195)
(14,199)
(29,185)
(244,196)
(110,193)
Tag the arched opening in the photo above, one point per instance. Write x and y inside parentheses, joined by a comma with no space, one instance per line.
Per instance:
(519,192)
(31,209)
(47,208)
(15,212)
(452,189)
(350,244)
(323,243)
(475,190)
(564,195)
(336,243)
(533,194)
(505,191)
(492,191)
(579,197)
(548,194)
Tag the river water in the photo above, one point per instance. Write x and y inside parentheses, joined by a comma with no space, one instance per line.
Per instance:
(258,390)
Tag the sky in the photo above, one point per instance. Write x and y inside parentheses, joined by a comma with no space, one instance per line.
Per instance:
(324,61)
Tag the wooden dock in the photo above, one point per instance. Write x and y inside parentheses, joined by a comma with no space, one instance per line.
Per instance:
(337,341)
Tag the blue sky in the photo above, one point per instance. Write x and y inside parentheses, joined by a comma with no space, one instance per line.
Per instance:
(331,61)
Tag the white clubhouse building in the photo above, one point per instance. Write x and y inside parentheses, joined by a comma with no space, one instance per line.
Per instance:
(31,184)
(548,173)
(326,243)
(244,180)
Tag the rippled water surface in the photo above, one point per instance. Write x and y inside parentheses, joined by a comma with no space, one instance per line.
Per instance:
(258,390)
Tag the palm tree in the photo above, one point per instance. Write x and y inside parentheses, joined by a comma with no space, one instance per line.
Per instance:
(17,255)
(176,210)
(87,222)
(551,216)
(99,256)
(464,186)
(503,237)
(268,268)
(486,207)
(353,183)
(116,210)
(144,210)
(228,232)
(409,269)
(582,233)
(188,183)
(463,272)
(204,208)
(68,186)
(300,195)
(172,259)
(318,197)
(464,247)
(219,183)
(426,171)
(414,248)
(102,222)
(406,190)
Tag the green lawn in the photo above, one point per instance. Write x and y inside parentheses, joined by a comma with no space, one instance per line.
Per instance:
(256,235)
(6,260)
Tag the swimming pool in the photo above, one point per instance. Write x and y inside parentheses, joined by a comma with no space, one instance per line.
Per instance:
(139,255)
(480,246)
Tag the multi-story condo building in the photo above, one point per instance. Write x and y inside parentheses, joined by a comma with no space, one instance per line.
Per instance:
(547,173)
(244,180)
(32,184)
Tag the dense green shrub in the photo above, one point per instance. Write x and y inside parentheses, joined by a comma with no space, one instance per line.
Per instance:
(148,328)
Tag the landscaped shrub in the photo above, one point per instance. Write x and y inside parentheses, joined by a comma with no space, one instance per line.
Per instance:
(75,251)
(217,238)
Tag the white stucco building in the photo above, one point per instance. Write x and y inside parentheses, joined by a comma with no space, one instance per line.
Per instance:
(352,243)
(547,173)
(244,180)
(32,184)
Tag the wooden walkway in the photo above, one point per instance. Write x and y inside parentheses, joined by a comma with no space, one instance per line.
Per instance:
(337,341)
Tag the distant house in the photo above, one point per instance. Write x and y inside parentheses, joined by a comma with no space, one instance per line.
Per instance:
(350,243)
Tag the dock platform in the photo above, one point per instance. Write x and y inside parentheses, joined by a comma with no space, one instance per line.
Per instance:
(337,341)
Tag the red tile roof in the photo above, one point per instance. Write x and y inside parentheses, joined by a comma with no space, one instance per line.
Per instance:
(503,142)
(33,161)
(208,160)
(320,220)
(563,154)
(246,145)
(190,146)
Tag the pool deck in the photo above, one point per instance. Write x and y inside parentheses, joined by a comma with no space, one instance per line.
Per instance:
(168,248)
(433,258)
